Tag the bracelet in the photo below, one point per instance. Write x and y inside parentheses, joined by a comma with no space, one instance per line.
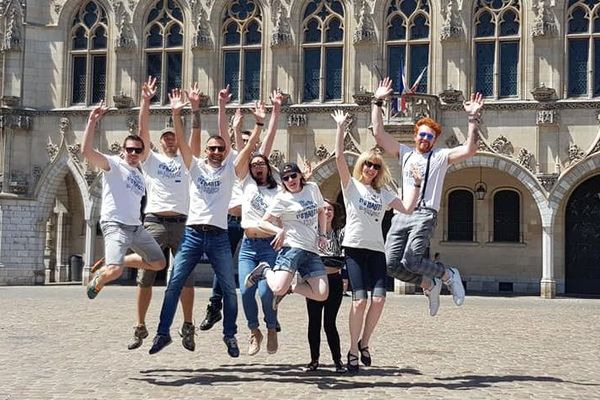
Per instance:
(322,235)
(196,119)
(417,186)
(377,102)
(260,124)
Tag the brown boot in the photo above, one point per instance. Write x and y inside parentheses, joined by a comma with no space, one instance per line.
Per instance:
(256,338)
(272,344)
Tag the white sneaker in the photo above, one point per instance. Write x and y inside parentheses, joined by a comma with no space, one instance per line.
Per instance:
(456,287)
(433,295)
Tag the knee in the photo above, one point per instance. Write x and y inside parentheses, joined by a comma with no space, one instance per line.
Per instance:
(113,272)
(359,304)
(377,301)
(158,265)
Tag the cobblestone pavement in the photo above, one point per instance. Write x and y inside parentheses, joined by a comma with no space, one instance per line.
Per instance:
(57,344)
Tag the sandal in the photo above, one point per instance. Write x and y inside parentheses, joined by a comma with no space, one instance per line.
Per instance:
(312,366)
(352,365)
(365,356)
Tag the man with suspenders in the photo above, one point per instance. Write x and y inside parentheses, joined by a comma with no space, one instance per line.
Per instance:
(409,235)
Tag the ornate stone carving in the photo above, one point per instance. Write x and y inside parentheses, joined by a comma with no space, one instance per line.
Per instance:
(125,36)
(350,143)
(90,176)
(64,125)
(365,30)
(525,159)
(202,38)
(297,120)
(543,23)
(322,153)
(547,117)
(483,146)
(115,147)
(52,150)
(132,125)
(281,35)
(16,121)
(543,93)
(36,173)
(74,151)
(204,100)
(122,100)
(575,154)
(451,95)
(452,141)
(12,16)
(11,101)
(502,146)
(362,97)
(547,180)
(277,159)
(18,182)
(451,26)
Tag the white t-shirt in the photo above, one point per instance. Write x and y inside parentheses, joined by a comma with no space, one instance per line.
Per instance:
(210,192)
(122,192)
(256,200)
(236,194)
(364,213)
(168,184)
(437,173)
(299,213)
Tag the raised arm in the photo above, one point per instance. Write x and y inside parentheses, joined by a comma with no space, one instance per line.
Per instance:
(340,120)
(241,161)
(196,136)
(408,204)
(236,125)
(277,101)
(383,139)
(148,92)
(224,97)
(473,109)
(95,158)
(177,97)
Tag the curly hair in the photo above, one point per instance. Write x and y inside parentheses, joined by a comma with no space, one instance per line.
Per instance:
(437,128)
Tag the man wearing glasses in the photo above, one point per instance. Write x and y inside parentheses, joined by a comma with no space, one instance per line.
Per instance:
(122,191)
(409,235)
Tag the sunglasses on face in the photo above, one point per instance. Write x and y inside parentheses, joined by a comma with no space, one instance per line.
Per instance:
(369,164)
(258,164)
(215,149)
(134,150)
(290,177)
(427,135)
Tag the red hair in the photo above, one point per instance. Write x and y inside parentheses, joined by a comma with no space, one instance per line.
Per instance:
(437,128)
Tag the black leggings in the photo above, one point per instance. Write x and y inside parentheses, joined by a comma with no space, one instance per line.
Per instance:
(315,312)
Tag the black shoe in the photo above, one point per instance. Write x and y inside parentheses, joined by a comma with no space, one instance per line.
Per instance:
(278,327)
(312,366)
(339,367)
(139,334)
(213,315)
(187,333)
(232,346)
(352,365)
(365,356)
(159,343)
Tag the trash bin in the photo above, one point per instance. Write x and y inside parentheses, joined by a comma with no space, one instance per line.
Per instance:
(76,267)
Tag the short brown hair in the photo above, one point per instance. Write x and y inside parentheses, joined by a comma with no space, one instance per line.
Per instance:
(437,128)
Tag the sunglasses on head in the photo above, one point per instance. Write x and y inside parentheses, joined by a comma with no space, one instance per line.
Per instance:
(258,164)
(369,164)
(134,150)
(290,177)
(214,149)
(427,135)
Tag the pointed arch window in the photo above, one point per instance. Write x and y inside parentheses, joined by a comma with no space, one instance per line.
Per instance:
(496,29)
(583,48)
(407,25)
(323,50)
(242,37)
(163,47)
(460,216)
(89,49)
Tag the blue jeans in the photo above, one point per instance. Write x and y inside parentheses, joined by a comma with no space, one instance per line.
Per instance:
(252,252)
(215,243)
(235,233)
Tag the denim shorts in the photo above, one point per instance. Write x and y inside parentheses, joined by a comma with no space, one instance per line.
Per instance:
(118,238)
(306,263)
(367,271)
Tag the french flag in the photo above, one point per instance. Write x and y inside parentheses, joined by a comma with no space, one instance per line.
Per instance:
(403,89)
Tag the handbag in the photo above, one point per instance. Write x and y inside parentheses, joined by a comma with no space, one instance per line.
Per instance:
(333,261)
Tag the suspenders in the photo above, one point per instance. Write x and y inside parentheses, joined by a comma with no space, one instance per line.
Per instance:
(421,202)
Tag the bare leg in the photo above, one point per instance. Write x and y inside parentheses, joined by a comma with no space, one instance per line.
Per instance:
(107,274)
(355,321)
(373,315)
(136,261)
(187,303)
(279,281)
(144,296)
(316,288)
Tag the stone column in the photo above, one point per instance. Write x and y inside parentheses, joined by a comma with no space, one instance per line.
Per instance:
(49,261)
(61,268)
(7,139)
(548,283)
(90,249)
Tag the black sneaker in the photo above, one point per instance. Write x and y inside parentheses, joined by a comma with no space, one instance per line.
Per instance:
(232,346)
(213,315)
(187,333)
(159,343)
(139,334)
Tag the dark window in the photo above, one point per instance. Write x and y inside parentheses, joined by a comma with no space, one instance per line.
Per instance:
(484,78)
(578,58)
(460,216)
(506,216)
(583,48)
(312,72)
(509,63)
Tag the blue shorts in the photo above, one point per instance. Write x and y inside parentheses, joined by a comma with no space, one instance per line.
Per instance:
(307,263)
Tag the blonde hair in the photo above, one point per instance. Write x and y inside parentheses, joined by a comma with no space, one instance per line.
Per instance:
(383,177)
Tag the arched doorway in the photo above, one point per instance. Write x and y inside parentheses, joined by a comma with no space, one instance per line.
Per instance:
(582,238)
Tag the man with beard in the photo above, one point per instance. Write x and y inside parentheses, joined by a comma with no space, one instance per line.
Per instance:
(212,180)
(122,191)
(409,235)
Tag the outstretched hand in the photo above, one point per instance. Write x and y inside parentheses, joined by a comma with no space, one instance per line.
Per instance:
(259,111)
(277,99)
(384,90)
(238,117)
(194,96)
(98,112)
(339,117)
(474,106)
(149,88)
(177,99)
(415,171)
(224,95)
